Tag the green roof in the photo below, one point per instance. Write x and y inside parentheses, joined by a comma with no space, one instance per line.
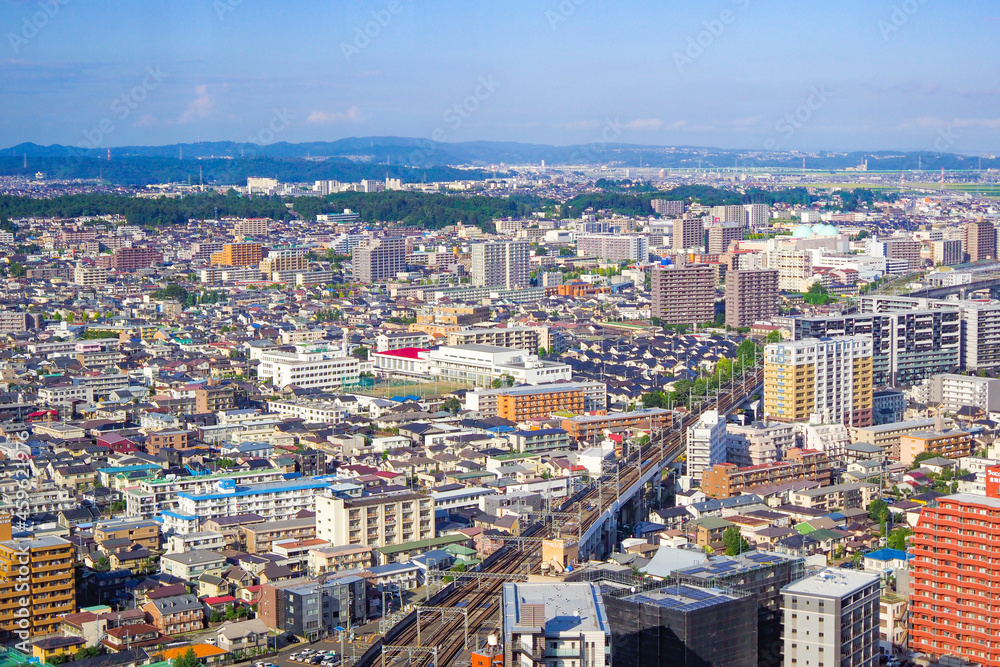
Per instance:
(442,541)
(459,550)
(713,523)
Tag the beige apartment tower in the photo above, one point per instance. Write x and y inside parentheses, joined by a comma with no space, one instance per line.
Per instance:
(751,296)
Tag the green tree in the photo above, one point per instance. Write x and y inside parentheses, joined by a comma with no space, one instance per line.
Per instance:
(542,352)
(171,292)
(17,270)
(817,295)
(897,538)
(773,337)
(361,353)
(187,659)
(879,511)
(734,541)
(452,404)
(920,458)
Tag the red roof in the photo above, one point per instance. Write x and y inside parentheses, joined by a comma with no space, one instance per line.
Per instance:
(219,600)
(405,352)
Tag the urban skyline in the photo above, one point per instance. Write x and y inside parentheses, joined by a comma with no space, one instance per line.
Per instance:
(864,76)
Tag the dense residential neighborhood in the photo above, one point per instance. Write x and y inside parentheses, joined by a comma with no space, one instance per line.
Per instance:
(249,438)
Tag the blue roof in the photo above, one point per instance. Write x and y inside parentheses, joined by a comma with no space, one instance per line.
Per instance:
(255,490)
(178,515)
(889,554)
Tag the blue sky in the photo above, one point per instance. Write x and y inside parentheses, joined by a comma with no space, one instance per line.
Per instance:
(754,74)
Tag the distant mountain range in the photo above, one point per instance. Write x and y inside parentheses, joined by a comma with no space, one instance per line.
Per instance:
(224,162)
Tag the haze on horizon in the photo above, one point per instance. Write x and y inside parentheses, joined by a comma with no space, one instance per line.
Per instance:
(746,74)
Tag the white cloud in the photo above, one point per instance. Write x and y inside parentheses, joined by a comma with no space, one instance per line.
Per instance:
(352,115)
(199,108)
(644,124)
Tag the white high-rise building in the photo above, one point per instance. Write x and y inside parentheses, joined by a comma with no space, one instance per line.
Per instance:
(706,443)
(758,215)
(500,264)
(831,618)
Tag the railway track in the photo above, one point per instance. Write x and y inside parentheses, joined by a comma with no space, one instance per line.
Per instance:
(483,601)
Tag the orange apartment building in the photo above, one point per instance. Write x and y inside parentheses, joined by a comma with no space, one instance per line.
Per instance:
(952,444)
(954,602)
(239,254)
(538,403)
(51,585)
(588,427)
(726,479)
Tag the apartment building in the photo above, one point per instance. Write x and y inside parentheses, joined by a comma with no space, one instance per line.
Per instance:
(706,443)
(758,442)
(837,497)
(672,625)
(47,563)
(239,254)
(549,624)
(525,338)
(831,377)
(538,399)
(980,240)
(950,444)
(90,276)
(281,260)
(614,247)
(947,253)
(15,321)
(214,399)
(151,495)
(734,213)
(721,234)
(588,427)
(952,392)
(540,402)
(133,259)
(310,366)
(907,346)
(143,532)
(327,559)
(668,206)
(793,266)
(689,234)
(176,614)
(886,436)
(683,294)
(832,618)
(724,480)
(251,227)
(375,521)
(905,249)
(751,296)
(190,565)
(259,537)
(954,600)
(539,440)
(501,264)
(313,609)
(274,501)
